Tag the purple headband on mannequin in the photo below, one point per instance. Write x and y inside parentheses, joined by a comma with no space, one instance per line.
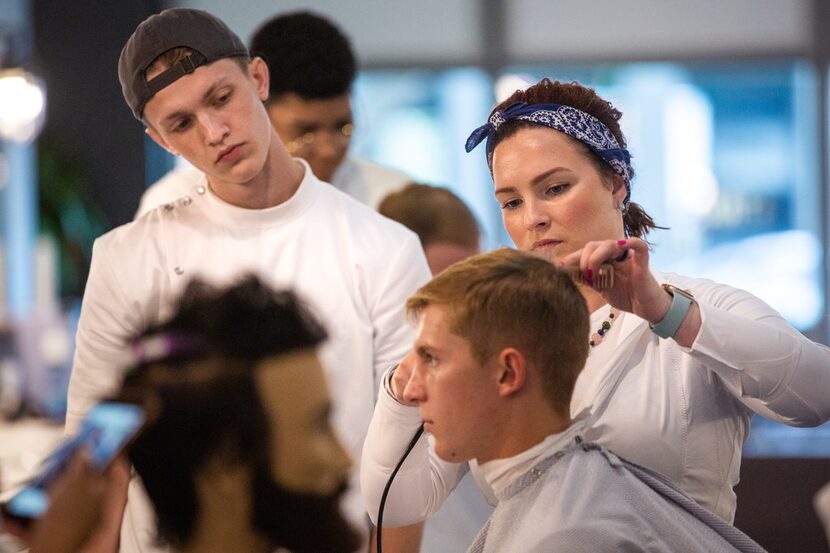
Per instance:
(575,123)
(158,347)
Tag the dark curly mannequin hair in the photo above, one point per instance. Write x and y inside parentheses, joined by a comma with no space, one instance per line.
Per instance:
(307,55)
(203,392)
(637,222)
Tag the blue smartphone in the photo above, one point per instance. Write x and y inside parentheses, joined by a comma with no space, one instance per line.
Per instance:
(106,429)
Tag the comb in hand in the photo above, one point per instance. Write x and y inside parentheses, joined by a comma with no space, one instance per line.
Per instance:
(603,278)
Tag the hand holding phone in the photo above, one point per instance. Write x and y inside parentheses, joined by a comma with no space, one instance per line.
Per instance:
(105,431)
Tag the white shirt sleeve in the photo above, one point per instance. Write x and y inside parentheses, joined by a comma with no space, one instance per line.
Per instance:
(124,292)
(101,351)
(423,482)
(763,361)
(407,270)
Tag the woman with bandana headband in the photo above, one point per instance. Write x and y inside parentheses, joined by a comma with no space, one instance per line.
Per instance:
(677,365)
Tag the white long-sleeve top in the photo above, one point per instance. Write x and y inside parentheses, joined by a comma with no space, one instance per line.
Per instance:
(353,267)
(683,412)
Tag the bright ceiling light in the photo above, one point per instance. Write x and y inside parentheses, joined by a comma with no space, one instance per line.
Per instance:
(22,105)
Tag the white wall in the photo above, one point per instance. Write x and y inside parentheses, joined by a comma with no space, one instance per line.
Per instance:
(632,29)
(395,32)
(382,31)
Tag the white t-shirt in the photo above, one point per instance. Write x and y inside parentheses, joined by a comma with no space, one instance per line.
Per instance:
(363,180)
(352,266)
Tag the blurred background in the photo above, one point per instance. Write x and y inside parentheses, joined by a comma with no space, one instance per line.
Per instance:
(725,108)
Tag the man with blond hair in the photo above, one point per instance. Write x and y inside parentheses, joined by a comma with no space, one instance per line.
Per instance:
(501,340)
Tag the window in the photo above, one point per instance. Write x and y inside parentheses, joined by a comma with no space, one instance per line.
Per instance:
(725,154)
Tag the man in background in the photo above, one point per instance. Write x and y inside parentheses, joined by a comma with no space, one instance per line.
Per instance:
(447,228)
(309,103)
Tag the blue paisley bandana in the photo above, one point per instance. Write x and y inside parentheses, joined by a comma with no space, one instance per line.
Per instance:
(575,123)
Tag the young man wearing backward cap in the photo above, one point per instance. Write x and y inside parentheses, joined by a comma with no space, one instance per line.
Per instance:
(189,79)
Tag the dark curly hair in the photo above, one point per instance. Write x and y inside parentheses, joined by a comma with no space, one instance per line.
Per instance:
(200,392)
(307,55)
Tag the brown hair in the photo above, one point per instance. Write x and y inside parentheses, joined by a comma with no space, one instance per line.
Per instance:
(637,222)
(507,298)
(433,213)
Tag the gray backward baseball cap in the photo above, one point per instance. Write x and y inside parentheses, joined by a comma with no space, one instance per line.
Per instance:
(208,37)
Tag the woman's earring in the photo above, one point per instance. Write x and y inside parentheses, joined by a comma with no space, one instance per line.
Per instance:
(623,208)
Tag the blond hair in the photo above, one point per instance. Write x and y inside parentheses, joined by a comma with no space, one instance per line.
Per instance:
(507,298)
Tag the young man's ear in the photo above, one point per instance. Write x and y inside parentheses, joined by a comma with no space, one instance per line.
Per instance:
(512,371)
(259,73)
(152,133)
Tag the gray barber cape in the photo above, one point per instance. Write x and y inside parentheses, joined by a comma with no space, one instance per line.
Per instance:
(585,498)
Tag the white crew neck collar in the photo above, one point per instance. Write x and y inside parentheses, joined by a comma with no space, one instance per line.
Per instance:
(241,218)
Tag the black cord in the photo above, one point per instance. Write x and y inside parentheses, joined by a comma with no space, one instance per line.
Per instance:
(389,482)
